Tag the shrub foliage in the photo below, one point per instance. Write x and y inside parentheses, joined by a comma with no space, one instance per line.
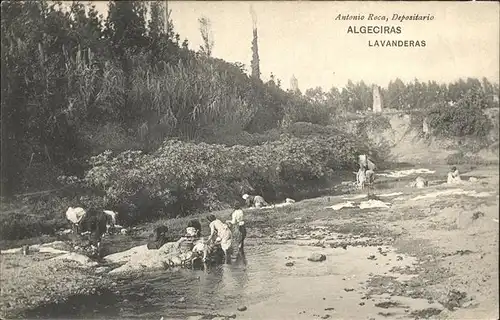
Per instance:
(182,177)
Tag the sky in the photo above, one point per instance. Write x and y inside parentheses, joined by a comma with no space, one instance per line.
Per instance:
(304,39)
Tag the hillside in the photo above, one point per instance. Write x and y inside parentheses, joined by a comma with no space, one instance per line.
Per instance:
(401,135)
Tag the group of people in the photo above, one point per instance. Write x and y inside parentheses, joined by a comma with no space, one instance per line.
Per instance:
(221,235)
(227,235)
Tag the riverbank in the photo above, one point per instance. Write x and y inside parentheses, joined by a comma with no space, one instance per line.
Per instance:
(29,282)
(446,237)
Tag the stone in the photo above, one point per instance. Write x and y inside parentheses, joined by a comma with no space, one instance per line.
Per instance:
(289,264)
(317,257)
(83,260)
(241,308)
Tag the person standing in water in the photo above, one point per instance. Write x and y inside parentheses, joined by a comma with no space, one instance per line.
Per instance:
(238,224)
(220,234)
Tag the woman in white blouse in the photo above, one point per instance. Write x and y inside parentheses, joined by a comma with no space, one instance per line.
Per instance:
(238,222)
(220,234)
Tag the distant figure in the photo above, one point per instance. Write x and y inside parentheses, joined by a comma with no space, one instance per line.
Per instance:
(361,178)
(365,178)
(219,234)
(365,162)
(158,238)
(370,177)
(75,215)
(454,176)
(419,183)
(254,201)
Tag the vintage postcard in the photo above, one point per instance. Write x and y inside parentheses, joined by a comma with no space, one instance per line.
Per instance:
(249,160)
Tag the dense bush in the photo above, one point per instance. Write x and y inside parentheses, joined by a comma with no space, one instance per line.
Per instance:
(459,121)
(37,216)
(306,129)
(461,158)
(466,118)
(181,177)
(371,124)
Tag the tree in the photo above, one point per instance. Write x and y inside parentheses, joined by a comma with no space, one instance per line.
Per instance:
(333,101)
(206,35)
(364,96)
(316,95)
(126,30)
(255,47)
(396,94)
(157,20)
(126,25)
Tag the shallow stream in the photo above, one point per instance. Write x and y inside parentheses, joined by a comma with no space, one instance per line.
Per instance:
(277,282)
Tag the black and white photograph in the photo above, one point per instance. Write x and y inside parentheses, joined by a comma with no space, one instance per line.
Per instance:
(213,160)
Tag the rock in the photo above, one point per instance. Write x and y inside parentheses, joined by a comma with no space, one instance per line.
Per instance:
(140,257)
(329,309)
(317,257)
(289,264)
(326,316)
(348,289)
(361,303)
(372,257)
(182,299)
(241,308)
